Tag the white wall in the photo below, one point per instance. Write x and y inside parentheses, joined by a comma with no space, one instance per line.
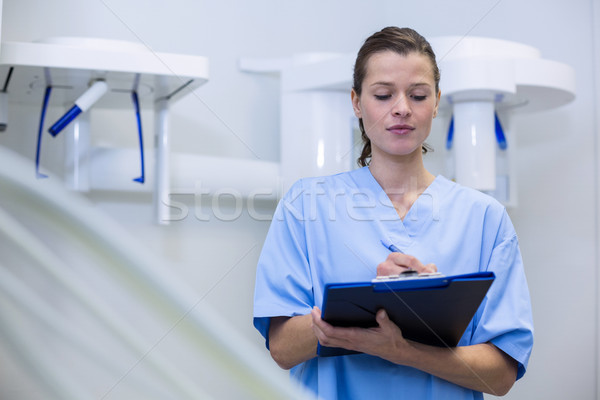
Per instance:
(236,114)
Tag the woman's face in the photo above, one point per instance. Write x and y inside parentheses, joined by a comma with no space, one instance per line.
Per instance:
(397,103)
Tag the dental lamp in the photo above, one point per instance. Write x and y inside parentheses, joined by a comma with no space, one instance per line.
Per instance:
(484,81)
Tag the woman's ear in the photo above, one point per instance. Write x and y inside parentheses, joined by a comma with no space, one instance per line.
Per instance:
(356,103)
(437,103)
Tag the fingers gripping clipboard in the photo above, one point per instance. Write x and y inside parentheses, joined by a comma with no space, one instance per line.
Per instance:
(433,310)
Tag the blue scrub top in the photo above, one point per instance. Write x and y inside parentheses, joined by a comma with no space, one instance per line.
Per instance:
(329,229)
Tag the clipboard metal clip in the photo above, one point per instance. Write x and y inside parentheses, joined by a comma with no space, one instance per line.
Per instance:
(410,274)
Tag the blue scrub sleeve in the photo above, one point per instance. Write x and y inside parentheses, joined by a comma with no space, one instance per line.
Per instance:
(283,280)
(506,318)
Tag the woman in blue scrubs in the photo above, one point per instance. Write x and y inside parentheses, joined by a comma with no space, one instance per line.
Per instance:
(330,229)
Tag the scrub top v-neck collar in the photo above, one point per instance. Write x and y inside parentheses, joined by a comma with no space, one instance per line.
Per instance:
(421,214)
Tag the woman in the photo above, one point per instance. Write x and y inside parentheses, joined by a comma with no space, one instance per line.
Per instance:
(330,229)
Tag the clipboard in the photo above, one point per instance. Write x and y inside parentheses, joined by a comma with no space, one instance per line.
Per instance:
(431,310)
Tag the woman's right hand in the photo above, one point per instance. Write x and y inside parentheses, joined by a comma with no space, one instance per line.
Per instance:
(397,262)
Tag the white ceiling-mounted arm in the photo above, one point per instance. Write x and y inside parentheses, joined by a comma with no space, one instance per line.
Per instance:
(482,76)
(117,69)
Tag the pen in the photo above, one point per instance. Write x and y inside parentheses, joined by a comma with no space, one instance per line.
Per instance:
(391,247)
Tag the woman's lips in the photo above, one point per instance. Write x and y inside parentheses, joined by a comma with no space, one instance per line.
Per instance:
(401,129)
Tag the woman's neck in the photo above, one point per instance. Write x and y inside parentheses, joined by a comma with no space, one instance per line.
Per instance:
(402,180)
(401,173)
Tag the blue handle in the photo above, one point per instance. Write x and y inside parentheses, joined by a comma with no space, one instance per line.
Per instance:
(136,105)
(499,133)
(450,136)
(65,120)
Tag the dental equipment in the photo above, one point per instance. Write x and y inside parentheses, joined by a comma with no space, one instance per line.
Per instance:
(82,104)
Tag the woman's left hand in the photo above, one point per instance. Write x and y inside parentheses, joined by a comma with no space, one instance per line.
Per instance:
(385,340)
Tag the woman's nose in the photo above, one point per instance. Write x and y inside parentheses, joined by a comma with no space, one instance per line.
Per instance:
(401,107)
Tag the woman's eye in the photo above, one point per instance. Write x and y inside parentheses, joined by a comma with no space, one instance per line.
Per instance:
(383,96)
(419,98)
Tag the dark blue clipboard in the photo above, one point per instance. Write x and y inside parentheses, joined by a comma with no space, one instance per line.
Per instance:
(434,310)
